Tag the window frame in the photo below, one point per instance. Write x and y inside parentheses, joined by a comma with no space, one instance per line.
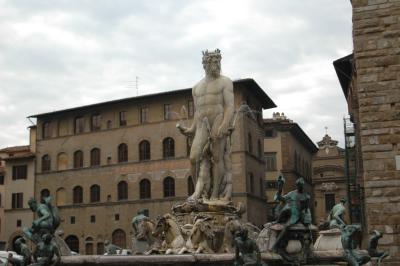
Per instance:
(79,125)
(46,163)
(270,159)
(122,118)
(95,122)
(169,187)
(122,152)
(17,200)
(144,150)
(145,189)
(167,111)
(78,159)
(168,148)
(144,114)
(95,195)
(19,172)
(95,157)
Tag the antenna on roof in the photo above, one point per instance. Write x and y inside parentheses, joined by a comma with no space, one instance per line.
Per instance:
(137,85)
(326,130)
(134,84)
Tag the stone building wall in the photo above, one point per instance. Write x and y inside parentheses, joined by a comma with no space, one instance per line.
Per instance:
(376,33)
(290,144)
(91,223)
(328,177)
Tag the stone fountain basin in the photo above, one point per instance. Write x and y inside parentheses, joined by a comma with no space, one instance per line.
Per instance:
(321,258)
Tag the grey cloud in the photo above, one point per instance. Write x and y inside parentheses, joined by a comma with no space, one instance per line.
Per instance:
(102,45)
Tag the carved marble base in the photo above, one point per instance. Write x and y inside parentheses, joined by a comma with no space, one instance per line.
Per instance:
(298,238)
(329,240)
(187,211)
(225,219)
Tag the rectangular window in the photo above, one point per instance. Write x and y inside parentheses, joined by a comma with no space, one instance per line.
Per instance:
(72,219)
(19,172)
(144,114)
(270,161)
(122,118)
(190,108)
(46,130)
(167,111)
(19,223)
(96,122)
(146,212)
(79,125)
(1,179)
(329,202)
(269,133)
(17,200)
(116,217)
(92,219)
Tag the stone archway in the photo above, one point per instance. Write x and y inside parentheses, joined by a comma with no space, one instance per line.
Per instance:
(14,236)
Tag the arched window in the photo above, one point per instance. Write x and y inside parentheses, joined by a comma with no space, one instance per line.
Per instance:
(95,193)
(144,150)
(46,130)
(122,190)
(61,196)
(259,149)
(169,187)
(78,159)
(168,148)
(190,186)
(145,189)
(44,193)
(62,161)
(122,152)
(77,195)
(46,163)
(73,243)
(95,157)
(89,246)
(119,238)
(250,143)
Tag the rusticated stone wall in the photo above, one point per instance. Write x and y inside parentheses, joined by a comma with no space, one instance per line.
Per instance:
(376,36)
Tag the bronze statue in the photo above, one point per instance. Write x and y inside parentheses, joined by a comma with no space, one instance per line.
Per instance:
(110,248)
(23,250)
(352,256)
(295,210)
(211,128)
(136,221)
(372,247)
(47,221)
(336,216)
(45,252)
(246,250)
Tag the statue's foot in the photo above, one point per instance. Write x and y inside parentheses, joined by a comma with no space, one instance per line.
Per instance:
(192,200)
(214,198)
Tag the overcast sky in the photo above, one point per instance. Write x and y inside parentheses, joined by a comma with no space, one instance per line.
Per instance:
(60,54)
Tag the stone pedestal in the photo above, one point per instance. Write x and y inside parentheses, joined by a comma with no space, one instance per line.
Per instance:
(298,239)
(186,212)
(329,240)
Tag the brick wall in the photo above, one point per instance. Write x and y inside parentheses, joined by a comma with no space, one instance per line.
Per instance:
(376,36)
